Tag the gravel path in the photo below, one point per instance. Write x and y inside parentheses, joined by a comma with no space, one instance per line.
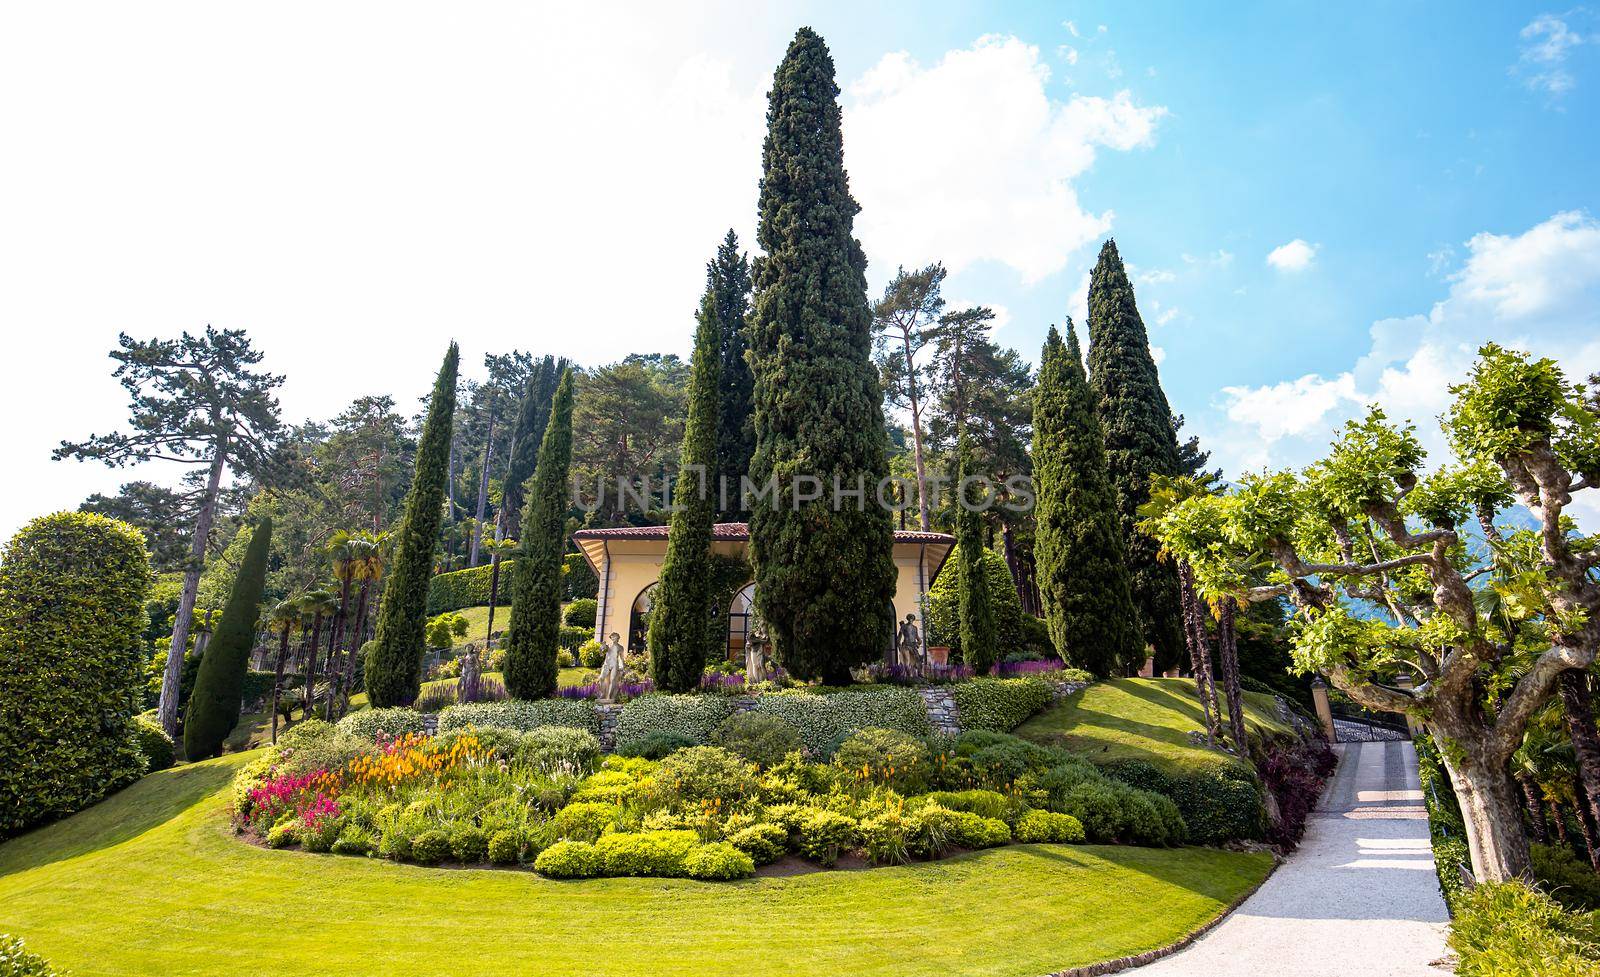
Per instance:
(1359,899)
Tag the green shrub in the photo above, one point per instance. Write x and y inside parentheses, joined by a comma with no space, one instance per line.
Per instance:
(581,613)
(825,720)
(930,828)
(551,749)
(354,840)
(825,835)
(654,746)
(1568,879)
(1056,781)
(158,748)
(1221,804)
(1449,855)
(72,595)
(569,860)
(763,842)
(943,611)
(578,577)
(718,861)
(368,724)
(216,697)
(705,773)
(505,848)
(1506,928)
(969,830)
(430,847)
(1151,819)
(885,756)
(283,835)
(984,803)
(690,716)
(320,837)
(303,750)
(468,588)
(16,961)
(1098,807)
(521,714)
(654,853)
(572,638)
(591,654)
(584,821)
(469,845)
(885,838)
(999,704)
(763,740)
(1048,826)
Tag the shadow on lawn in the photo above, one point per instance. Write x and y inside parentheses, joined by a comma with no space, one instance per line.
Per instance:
(1199,874)
(149,803)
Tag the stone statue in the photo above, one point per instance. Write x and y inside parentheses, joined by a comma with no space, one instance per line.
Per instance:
(755,653)
(908,643)
(611,670)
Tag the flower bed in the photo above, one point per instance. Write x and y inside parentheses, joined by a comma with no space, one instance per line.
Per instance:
(542,796)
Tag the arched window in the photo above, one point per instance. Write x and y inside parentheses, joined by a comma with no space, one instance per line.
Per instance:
(639,619)
(741,611)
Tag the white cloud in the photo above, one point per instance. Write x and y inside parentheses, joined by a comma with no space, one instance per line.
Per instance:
(1068,53)
(1071,27)
(1538,291)
(1006,197)
(1158,354)
(1547,42)
(1297,255)
(1166,316)
(1155,276)
(1219,258)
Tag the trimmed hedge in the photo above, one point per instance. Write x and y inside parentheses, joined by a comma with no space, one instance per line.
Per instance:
(468,588)
(693,717)
(368,723)
(72,592)
(824,721)
(522,714)
(581,613)
(1224,804)
(999,704)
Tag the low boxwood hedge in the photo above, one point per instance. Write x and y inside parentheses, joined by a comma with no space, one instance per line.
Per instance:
(999,704)
(521,714)
(692,717)
(825,720)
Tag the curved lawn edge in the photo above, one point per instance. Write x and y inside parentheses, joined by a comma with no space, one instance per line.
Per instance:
(153,880)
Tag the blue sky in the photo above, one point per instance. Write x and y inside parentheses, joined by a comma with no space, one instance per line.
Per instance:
(356,184)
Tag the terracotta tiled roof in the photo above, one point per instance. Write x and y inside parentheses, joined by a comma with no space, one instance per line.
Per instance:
(733,532)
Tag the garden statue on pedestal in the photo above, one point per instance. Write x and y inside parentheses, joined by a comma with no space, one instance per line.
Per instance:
(908,644)
(611,670)
(470,675)
(755,653)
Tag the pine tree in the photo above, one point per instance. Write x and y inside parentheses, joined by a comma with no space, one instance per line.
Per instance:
(1140,442)
(978,638)
(214,703)
(825,574)
(1081,564)
(532,636)
(394,661)
(680,617)
(727,299)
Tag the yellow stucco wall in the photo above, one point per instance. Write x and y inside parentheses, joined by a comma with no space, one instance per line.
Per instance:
(627,567)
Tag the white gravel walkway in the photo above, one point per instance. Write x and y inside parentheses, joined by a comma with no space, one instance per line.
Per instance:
(1359,899)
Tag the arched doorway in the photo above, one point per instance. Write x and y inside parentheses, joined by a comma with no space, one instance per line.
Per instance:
(741,612)
(639,619)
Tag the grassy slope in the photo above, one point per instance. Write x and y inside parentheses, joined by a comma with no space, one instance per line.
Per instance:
(152,881)
(1145,719)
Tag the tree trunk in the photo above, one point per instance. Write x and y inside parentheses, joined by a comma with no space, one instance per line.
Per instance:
(1489,808)
(277,680)
(916,434)
(349,679)
(1530,796)
(1577,704)
(335,645)
(494,595)
(1228,660)
(1586,825)
(167,710)
(311,664)
(1559,817)
(1195,634)
(483,496)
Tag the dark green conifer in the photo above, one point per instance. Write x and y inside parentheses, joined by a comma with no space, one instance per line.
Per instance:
(213,708)
(728,295)
(1140,442)
(394,659)
(1082,568)
(680,616)
(532,637)
(978,638)
(823,561)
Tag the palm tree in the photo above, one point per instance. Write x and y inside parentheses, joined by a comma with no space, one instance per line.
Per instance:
(369,552)
(317,604)
(282,618)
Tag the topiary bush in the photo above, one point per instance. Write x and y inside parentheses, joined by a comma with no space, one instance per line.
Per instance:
(569,860)
(72,594)
(430,847)
(505,848)
(968,830)
(1220,804)
(718,861)
(160,752)
(368,724)
(558,749)
(468,588)
(581,613)
(763,740)
(999,704)
(584,820)
(762,842)
(522,714)
(1048,827)
(657,853)
(691,716)
(469,845)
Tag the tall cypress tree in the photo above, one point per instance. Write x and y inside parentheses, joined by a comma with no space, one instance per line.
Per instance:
(1140,442)
(727,299)
(214,703)
(1082,567)
(824,574)
(978,638)
(394,662)
(532,636)
(533,414)
(680,618)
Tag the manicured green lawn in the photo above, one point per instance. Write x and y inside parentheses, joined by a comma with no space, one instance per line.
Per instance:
(152,881)
(1141,718)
